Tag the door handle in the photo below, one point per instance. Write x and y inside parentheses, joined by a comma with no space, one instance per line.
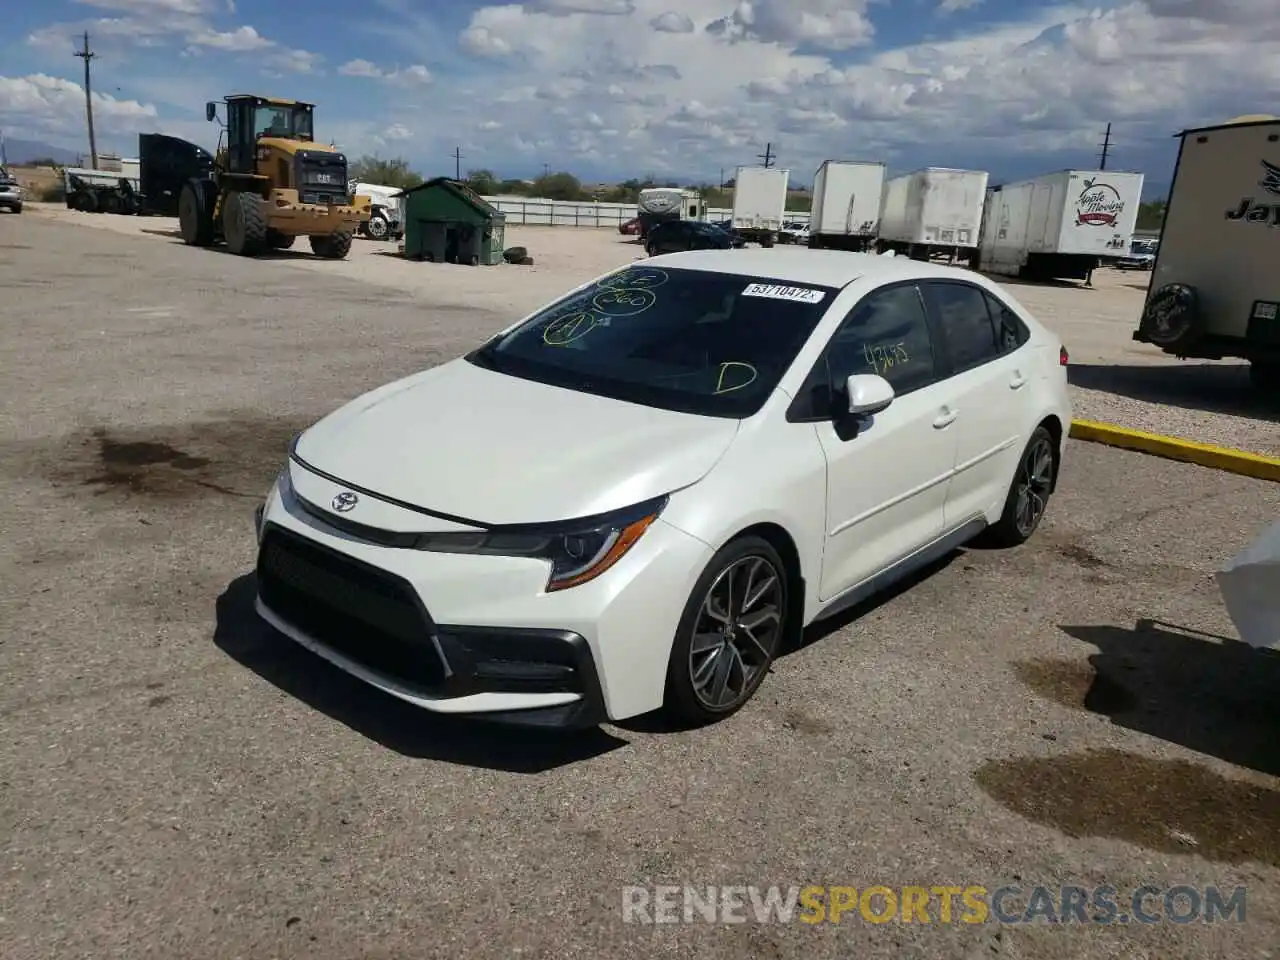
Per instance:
(946,418)
(1017,381)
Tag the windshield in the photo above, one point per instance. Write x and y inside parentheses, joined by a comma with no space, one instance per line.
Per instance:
(714,344)
(282,121)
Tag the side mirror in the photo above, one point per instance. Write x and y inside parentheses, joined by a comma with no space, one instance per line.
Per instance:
(211,111)
(868,394)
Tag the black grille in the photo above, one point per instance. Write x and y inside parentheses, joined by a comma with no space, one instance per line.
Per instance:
(363,613)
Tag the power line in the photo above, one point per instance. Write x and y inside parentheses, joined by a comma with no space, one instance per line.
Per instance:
(768,156)
(457,163)
(1106,149)
(86,55)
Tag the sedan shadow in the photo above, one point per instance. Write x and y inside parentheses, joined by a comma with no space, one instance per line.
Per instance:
(1211,387)
(408,730)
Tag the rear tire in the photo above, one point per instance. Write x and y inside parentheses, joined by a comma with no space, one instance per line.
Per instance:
(195,214)
(244,224)
(332,246)
(1029,493)
(736,643)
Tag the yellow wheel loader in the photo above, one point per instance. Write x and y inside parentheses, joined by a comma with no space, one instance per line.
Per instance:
(271,183)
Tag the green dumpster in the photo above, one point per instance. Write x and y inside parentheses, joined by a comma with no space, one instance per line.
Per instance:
(445,221)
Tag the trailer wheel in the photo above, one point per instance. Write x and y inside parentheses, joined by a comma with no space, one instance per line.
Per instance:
(1171,319)
(195,213)
(377,228)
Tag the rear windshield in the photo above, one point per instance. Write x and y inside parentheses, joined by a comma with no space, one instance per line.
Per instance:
(708,343)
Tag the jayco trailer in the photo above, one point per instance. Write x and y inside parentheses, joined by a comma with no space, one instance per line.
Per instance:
(656,204)
(846,205)
(1215,292)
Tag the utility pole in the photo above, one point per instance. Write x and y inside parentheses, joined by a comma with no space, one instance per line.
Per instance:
(546,170)
(1106,148)
(457,163)
(768,156)
(86,55)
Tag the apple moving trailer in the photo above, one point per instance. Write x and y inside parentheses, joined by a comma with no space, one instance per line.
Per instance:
(1215,290)
(846,205)
(657,204)
(1060,225)
(759,203)
(933,212)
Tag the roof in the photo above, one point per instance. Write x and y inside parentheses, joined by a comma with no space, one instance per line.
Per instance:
(274,101)
(1248,120)
(824,268)
(461,190)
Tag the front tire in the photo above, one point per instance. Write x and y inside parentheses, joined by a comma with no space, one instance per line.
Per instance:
(732,627)
(1029,493)
(377,227)
(244,225)
(333,246)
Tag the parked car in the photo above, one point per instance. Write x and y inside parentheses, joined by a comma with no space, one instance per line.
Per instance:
(678,235)
(647,488)
(1141,256)
(10,192)
(794,231)
(630,228)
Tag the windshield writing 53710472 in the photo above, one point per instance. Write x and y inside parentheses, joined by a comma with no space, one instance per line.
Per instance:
(691,340)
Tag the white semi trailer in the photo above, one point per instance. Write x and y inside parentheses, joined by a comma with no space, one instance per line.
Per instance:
(846,205)
(1060,225)
(933,212)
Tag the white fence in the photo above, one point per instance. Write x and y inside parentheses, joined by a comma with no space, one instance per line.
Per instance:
(573,213)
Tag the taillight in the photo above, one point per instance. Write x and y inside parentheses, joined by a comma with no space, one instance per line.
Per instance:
(1063,359)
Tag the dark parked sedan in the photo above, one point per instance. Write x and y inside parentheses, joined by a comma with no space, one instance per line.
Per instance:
(677,235)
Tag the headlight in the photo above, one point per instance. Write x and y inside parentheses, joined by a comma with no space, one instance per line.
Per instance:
(578,550)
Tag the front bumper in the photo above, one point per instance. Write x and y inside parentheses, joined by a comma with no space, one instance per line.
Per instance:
(472,634)
(288,206)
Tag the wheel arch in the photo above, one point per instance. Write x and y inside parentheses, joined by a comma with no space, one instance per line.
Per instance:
(778,537)
(1056,431)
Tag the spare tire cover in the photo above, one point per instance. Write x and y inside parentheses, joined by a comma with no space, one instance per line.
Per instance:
(1171,317)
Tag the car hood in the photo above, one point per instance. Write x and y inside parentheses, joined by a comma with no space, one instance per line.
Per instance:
(477,445)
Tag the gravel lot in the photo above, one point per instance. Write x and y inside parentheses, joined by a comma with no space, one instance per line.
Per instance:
(178,782)
(1116,380)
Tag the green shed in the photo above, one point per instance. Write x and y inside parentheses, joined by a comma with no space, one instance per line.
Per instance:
(447,222)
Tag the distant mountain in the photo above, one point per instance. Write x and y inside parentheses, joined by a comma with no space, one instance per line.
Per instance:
(19,152)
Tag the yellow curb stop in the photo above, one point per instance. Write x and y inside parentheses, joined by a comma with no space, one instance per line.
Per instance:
(1188,451)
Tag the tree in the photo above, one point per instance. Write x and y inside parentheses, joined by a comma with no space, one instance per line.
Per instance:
(512,188)
(558,186)
(388,173)
(1150,215)
(482,182)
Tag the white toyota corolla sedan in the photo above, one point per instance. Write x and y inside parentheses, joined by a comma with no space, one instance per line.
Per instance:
(637,496)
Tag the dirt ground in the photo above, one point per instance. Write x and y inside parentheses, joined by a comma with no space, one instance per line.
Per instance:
(1115,380)
(178,781)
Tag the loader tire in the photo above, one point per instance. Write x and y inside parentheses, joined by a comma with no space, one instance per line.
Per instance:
(195,213)
(332,246)
(279,241)
(244,224)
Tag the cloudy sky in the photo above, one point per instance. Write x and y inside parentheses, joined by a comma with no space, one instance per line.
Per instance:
(610,89)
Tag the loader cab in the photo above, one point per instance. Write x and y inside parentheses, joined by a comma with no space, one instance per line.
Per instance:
(250,118)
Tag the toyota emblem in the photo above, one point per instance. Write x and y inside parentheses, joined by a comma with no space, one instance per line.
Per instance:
(345,501)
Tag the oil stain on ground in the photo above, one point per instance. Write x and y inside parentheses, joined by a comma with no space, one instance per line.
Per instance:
(229,458)
(1162,805)
(1076,684)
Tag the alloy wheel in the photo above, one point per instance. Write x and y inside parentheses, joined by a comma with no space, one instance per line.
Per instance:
(1035,477)
(736,632)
